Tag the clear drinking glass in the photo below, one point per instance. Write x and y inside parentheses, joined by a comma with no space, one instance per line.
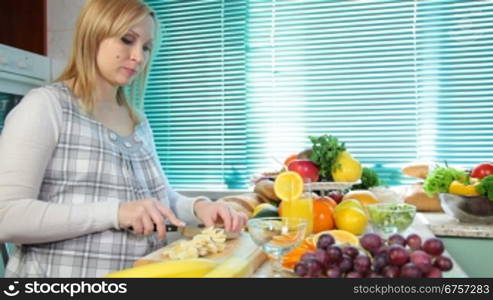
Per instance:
(277,236)
(301,207)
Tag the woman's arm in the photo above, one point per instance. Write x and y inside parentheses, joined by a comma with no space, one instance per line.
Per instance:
(27,142)
(183,206)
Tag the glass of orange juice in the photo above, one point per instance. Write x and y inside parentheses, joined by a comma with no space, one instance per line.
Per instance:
(296,196)
(300,207)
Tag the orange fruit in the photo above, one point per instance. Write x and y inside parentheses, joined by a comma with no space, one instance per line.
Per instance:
(290,259)
(365,197)
(322,215)
(323,211)
(288,185)
(351,219)
(331,201)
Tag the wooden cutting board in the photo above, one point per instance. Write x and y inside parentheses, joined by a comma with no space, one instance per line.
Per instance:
(243,247)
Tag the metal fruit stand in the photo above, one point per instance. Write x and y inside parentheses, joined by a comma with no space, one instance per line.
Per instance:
(325,186)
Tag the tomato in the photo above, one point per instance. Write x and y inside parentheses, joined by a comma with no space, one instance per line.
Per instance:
(482,170)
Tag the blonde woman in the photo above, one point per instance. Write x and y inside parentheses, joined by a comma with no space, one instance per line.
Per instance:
(78,164)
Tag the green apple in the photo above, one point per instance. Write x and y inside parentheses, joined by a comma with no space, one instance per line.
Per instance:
(349,203)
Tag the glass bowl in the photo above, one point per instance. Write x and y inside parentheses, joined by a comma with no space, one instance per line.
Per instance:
(389,218)
(477,210)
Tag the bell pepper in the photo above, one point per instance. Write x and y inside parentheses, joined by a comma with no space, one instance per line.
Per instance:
(463,189)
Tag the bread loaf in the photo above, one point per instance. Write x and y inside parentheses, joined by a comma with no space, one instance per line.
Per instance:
(238,208)
(248,200)
(265,188)
(245,203)
(417,170)
(418,197)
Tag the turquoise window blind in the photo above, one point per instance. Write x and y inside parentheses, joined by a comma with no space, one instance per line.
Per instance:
(455,81)
(195,98)
(238,86)
(344,68)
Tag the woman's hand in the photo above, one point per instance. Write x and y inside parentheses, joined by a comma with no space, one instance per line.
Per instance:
(212,213)
(145,215)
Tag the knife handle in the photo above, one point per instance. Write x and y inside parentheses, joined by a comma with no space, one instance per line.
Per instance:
(169,228)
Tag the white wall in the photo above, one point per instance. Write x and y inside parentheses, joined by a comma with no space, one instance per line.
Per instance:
(61,18)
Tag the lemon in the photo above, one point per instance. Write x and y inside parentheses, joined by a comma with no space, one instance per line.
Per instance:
(351,219)
(349,169)
(288,185)
(365,197)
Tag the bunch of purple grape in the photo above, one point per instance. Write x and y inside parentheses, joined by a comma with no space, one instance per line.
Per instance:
(395,257)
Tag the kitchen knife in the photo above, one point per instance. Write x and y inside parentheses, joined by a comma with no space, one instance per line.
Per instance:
(190,231)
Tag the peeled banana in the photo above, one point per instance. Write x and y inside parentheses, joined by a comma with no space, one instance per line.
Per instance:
(231,268)
(185,268)
(209,241)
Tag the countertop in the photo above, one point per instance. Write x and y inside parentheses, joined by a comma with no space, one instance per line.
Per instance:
(441,224)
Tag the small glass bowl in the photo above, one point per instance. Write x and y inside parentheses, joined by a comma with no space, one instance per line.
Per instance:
(389,218)
(475,210)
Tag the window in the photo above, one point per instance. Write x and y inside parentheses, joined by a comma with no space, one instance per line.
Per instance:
(455,81)
(195,98)
(341,68)
(238,87)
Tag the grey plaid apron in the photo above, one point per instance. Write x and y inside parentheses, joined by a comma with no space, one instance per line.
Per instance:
(91,163)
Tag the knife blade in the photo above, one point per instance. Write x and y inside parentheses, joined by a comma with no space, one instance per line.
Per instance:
(191,231)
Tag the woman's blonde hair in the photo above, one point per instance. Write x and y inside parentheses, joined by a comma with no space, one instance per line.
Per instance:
(101,19)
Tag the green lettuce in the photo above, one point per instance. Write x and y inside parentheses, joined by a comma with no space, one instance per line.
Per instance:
(440,178)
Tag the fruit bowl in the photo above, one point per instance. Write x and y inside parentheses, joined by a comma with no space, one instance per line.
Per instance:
(477,210)
(389,218)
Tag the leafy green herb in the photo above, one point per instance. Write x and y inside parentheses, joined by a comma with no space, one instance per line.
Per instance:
(485,187)
(440,178)
(325,150)
(369,179)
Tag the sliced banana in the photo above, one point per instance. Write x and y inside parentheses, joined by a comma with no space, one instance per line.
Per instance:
(210,241)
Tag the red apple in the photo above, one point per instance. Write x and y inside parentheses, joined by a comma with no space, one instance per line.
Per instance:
(306,168)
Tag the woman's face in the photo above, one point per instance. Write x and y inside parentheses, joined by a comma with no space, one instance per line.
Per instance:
(119,60)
